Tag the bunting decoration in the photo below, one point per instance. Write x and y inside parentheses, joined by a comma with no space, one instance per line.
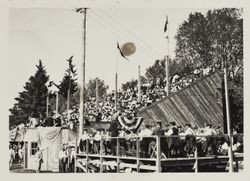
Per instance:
(130,124)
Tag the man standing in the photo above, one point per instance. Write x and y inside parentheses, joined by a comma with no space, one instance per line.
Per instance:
(158,129)
(145,140)
(209,132)
(190,140)
(159,132)
(173,143)
(188,130)
(114,132)
(62,159)
(49,122)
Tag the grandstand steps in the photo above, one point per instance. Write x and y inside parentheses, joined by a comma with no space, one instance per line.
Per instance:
(95,162)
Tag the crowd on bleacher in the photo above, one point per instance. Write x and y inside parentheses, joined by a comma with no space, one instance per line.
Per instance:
(176,141)
(127,102)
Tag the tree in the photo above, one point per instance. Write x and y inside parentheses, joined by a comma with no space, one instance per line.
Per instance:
(31,101)
(133,83)
(193,47)
(158,70)
(211,40)
(215,40)
(226,34)
(102,87)
(68,78)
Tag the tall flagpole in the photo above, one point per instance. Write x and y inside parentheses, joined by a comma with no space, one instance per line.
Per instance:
(82,88)
(116,80)
(139,83)
(167,61)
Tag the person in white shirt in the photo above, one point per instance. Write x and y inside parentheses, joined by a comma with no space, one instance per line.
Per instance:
(182,134)
(188,130)
(145,140)
(62,159)
(83,141)
(209,132)
(97,139)
(145,132)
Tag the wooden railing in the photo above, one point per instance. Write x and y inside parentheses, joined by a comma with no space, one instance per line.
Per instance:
(155,149)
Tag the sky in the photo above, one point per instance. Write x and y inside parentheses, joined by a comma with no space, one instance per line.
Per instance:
(53,35)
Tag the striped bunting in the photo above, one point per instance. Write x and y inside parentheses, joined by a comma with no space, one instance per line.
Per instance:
(130,124)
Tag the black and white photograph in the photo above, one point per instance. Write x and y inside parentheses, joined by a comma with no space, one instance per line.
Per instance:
(125,90)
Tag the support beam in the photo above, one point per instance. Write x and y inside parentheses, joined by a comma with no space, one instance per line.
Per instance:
(230,152)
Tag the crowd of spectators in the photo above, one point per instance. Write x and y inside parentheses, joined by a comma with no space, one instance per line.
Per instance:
(209,140)
(128,102)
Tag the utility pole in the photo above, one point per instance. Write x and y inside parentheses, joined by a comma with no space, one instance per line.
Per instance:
(82,88)
(116,81)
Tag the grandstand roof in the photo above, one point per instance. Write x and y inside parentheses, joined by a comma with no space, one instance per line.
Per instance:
(198,103)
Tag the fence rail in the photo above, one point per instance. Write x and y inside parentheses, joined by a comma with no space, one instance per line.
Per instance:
(155,152)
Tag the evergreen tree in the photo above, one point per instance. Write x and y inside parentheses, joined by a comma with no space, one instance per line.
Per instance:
(31,101)
(69,77)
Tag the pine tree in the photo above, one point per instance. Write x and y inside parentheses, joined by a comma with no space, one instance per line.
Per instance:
(64,85)
(69,77)
(32,101)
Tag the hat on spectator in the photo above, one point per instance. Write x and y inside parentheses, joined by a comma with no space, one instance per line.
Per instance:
(173,123)
(158,121)
(218,127)
(208,124)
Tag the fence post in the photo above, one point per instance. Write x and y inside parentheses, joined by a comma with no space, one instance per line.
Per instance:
(101,153)
(76,152)
(118,155)
(87,158)
(196,160)
(137,154)
(158,158)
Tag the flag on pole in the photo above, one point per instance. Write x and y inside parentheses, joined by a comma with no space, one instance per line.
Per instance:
(118,46)
(166,25)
